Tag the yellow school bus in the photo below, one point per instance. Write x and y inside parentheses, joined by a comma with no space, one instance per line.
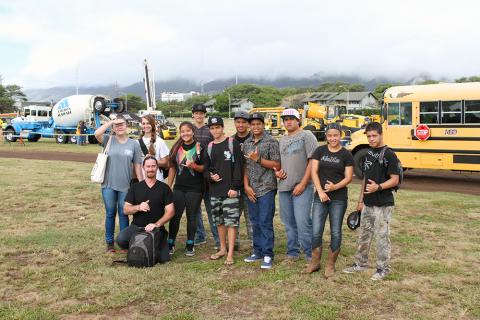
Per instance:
(435,126)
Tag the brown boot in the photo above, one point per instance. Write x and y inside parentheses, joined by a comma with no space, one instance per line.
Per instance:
(314,264)
(332,258)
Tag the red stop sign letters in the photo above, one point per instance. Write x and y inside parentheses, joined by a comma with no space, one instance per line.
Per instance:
(422,132)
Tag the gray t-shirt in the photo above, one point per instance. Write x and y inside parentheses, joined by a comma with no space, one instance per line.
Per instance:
(294,152)
(121,158)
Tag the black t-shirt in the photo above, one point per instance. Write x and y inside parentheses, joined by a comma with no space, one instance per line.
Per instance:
(230,171)
(241,140)
(159,195)
(331,167)
(188,179)
(374,171)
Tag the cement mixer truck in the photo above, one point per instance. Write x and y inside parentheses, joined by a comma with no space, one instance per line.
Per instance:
(60,122)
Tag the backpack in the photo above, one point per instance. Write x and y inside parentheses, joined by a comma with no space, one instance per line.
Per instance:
(148,248)
(230,147)
(399,169)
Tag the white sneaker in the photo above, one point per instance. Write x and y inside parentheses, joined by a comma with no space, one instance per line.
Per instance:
(266,263)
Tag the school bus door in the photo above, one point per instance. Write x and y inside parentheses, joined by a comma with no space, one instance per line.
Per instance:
(398,125)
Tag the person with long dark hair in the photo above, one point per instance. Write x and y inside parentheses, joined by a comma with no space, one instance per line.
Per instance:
(186,168)
(152,144)
(332,171)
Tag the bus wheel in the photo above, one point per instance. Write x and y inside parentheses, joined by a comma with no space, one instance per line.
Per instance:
(60,138)
(34,138)
(92,140)
(358,159)
(9,135)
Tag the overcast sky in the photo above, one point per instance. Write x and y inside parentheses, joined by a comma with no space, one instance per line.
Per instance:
(43,43)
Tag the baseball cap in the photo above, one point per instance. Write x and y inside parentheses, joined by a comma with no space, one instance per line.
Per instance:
(257,116)
(199,107)
(215,121)
(291,113)
(241,114)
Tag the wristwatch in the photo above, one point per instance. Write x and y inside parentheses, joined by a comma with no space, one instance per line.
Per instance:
(379,187)
(259,159)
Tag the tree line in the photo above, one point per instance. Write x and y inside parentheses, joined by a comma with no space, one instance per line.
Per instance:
(261,96)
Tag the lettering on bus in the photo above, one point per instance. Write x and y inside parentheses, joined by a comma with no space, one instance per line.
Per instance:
(450,132)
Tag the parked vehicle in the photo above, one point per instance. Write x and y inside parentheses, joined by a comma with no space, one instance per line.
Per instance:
(60,122)
(435,126)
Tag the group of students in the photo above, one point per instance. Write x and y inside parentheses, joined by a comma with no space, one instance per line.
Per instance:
(242,174)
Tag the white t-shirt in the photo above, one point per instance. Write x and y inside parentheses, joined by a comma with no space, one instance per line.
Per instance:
(161,151)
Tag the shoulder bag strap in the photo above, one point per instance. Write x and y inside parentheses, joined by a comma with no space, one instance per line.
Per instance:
(107,147)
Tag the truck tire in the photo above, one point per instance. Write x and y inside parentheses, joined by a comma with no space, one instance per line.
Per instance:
(9,135)
(61,138)
(358,160)
(34,138)
(99,104)
(73,139)
(121,105)
(92,140)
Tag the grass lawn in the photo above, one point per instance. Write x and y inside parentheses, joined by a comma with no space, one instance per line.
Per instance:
(53,264)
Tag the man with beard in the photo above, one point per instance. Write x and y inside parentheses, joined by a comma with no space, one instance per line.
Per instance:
(149,201)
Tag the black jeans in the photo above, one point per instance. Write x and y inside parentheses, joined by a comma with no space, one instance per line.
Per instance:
(190,202)
(123,238)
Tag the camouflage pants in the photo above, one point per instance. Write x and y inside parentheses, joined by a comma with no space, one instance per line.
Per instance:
(225,211)
(375,221)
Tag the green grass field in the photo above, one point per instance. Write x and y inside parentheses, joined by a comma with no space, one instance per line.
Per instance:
(53,264)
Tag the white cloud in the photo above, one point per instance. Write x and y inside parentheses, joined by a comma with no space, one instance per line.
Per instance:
(204,40)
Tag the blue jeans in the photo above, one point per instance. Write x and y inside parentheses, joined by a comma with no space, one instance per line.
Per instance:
(261,218)
(201,235)
(296,215)
(123,237)
(335,209)
(114,200)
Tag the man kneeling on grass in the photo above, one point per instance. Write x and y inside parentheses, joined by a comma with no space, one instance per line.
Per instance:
(149,201)
(224,175)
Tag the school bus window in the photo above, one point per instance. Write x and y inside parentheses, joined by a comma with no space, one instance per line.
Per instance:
(472,111)
(451,111)
(399,113)
(429,112)
(406,113)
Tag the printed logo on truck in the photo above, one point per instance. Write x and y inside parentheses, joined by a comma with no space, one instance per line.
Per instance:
(64,108)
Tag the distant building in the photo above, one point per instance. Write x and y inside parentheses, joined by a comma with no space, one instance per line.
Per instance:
(241,105)
(210,105)
(177,96)
(352,100)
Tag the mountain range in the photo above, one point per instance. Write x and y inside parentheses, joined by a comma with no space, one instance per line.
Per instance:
(185,85)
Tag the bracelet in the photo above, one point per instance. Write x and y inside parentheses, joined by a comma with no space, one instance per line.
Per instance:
(379,187)
(259,160)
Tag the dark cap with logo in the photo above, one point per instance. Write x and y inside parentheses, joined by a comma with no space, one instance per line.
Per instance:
(199,107)
(256,116)
(241,115)
(212,121)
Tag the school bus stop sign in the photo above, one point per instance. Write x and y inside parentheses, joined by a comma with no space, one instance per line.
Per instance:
(422,132)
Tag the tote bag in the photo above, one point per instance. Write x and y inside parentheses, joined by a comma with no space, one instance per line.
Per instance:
(98,171)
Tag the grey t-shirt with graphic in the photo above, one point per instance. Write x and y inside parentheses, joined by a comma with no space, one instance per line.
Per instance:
(121,158)
(294,153)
